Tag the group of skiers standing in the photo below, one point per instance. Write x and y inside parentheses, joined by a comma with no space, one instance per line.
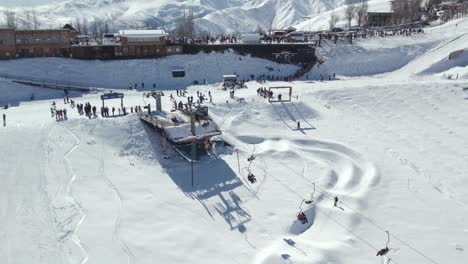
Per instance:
(59,114)
(87,109)
(263,92)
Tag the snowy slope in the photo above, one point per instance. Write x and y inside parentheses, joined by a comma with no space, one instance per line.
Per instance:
(119,74)
(419,55)
(391,146)
(321,19)
(212,15)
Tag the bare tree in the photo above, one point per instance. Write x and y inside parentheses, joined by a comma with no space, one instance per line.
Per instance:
(361,12)
(334,19)
(84,25)
(406,10)
(78,25)
(181,30)
(186,26)
(260,30)
(10,18)
(350,11)
(106,28)
(27,16)
(35,19)
(414,12)
(191,24)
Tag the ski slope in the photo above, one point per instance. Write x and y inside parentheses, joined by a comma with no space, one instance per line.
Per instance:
(388,138)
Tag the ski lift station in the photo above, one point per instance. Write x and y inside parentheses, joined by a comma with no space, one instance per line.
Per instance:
(186,129)
(230,81)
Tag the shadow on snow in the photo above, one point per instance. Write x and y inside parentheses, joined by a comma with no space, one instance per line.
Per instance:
(215,185)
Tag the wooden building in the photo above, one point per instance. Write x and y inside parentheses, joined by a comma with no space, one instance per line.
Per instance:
(35,43)
(144,44)
(7,43)
(44,43)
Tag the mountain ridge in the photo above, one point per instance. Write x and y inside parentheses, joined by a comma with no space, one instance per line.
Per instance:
(211,16)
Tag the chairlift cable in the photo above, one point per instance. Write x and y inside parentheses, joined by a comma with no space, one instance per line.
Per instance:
(327,194)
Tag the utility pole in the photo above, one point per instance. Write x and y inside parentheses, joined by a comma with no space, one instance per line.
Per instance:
(192,164)
(194,144)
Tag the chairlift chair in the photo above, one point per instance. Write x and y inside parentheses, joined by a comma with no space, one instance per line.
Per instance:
(251,177)
(251,158)
(385,250)
(311,197)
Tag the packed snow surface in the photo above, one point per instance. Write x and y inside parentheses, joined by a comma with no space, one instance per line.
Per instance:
(390,143)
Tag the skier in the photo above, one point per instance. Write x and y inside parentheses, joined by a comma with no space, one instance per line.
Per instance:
(113,111)
(4,119)
(298,125)
(335,201)
(65,114)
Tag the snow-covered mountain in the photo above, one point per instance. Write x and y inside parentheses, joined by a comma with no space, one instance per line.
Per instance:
(211,15)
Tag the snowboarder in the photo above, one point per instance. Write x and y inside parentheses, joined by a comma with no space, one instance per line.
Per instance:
(335,201)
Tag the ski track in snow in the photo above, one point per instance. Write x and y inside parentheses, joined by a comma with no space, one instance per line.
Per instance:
(429,121)
(69,191)
(118,222)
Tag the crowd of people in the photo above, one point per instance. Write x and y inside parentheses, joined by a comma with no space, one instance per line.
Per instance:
(264,92)
(180,105)
(87,110)
(349,36)
(59,114)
